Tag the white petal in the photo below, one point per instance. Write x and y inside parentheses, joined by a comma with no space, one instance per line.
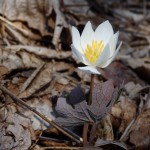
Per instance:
(113,57)
(87,35)
(104,32)
(112,43)
(104,56)
(76,39)
(76,52)
(79,55)
(90,69)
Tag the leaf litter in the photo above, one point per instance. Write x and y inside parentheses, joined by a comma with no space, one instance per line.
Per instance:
(37,33)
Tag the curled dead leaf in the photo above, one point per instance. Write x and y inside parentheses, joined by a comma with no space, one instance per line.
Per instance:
(28,17)
(140,132)
(15,132)
(141,66)
(124,111)
(18,59)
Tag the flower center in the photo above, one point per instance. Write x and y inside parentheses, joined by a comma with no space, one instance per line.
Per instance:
(93,51)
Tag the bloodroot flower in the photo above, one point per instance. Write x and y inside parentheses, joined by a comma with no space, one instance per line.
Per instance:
(95,49)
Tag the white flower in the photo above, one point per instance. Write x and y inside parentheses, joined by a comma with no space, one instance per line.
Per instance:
(95,49)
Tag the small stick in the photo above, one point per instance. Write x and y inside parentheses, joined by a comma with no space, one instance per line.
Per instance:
(127,130)
(19,29)
(31,78)
(71,135)
(64,148)
(84,134)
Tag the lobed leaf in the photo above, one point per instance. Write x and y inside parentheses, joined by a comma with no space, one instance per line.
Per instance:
(75,111)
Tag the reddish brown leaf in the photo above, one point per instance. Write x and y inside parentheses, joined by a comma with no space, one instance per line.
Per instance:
(72,116)
(103,97)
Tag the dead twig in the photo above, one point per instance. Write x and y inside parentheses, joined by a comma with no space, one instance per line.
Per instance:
(31,78)
(41,51)
(64,148)
(127,130)
(71,135)
(17,28)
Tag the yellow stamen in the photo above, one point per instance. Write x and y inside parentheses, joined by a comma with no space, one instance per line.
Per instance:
(92,52)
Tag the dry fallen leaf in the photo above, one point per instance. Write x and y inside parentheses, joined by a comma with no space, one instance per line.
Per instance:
(109,145)
(42,105)
(18,59)
(129,15)
(144,96)
(15,131)
(3,72)
(42,51)
(28,17)
(140,132)
(119,73)
(124,111)
(132,89)
(104,129)
(44,77)
(141,66)
(32,12)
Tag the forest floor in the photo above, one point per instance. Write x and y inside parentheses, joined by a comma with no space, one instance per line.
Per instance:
(39,73)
